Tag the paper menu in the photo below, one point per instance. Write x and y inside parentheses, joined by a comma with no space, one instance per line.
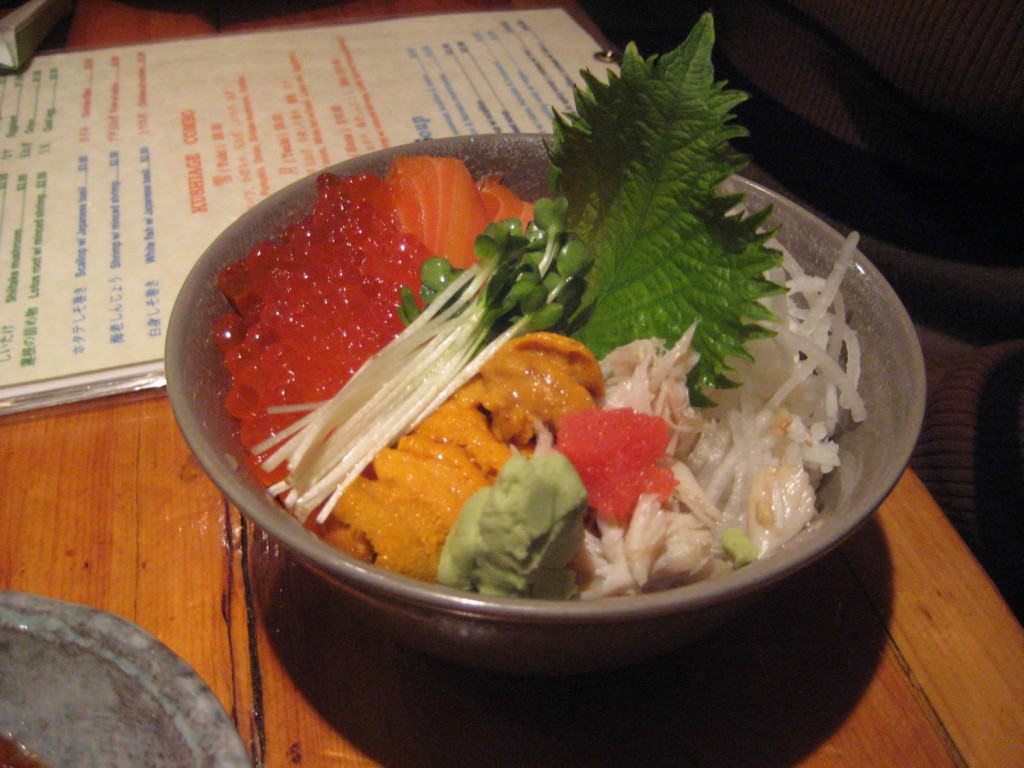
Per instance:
(119,166)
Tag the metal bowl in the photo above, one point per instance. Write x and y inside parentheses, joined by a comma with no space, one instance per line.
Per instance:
(533,636)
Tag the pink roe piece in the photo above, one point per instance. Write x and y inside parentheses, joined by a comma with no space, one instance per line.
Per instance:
(615,452)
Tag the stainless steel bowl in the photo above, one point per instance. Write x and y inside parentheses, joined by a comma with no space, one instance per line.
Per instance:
(533,636)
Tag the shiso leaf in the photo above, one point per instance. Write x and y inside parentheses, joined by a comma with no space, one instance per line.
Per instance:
(640,162)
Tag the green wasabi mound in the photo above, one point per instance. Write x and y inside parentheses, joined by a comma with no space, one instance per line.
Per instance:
(518,537)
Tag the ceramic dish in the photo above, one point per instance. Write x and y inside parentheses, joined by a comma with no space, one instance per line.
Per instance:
(82,687)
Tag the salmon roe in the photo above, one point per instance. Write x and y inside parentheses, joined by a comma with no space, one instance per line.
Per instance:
(313,305)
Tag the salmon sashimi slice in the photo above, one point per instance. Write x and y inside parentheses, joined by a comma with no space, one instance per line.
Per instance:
(501,202)
(438,201)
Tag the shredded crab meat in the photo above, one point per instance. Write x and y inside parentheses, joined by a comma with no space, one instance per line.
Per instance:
(657,547)
(647,377)
(754,460)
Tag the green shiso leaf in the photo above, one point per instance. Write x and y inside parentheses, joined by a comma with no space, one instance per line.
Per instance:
(640,161)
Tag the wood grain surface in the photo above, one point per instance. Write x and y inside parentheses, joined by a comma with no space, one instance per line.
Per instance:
(895,649)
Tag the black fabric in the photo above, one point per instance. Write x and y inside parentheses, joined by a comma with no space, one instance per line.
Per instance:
(999,473)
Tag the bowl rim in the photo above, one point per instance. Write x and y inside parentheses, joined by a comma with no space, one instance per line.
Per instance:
(355,575)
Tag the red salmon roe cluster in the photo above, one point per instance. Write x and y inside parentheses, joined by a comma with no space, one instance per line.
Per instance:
(313,305)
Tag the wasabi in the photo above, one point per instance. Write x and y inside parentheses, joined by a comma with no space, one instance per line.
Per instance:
(518,537)
(738,547)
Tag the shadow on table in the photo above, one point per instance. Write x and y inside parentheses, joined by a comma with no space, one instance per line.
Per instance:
(767,689)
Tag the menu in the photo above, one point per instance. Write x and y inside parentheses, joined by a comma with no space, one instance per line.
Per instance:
(119,166)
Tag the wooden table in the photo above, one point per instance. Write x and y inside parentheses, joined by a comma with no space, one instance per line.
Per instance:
(894,650)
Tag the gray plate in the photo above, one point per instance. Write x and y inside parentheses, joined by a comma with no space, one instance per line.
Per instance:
(82,687)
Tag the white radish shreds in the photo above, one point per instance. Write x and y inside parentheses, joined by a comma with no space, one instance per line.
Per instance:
(791,402)
(754,460)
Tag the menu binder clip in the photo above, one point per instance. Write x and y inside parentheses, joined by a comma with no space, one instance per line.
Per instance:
(25,27)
